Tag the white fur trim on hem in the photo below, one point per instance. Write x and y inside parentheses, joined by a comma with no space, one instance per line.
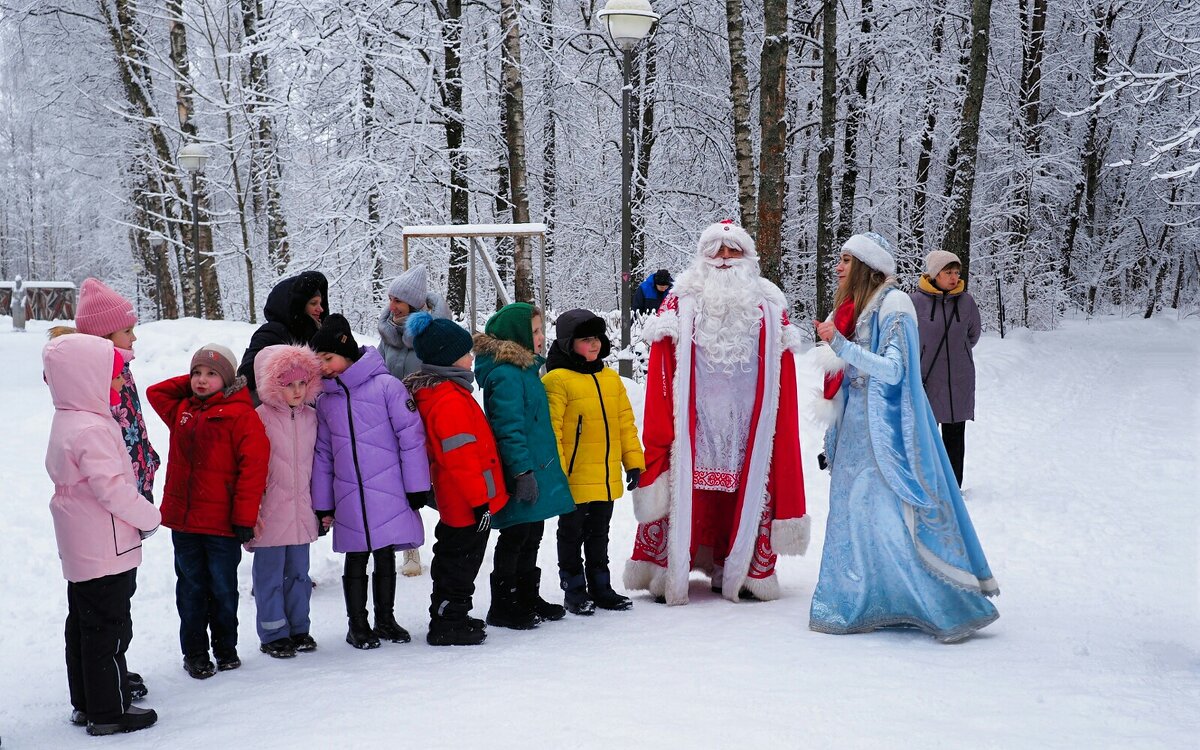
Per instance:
(789,536)
(764,589)
(641,575)
(653,502)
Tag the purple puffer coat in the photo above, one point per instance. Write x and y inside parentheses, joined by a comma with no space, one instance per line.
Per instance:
(370,452)
(949,326)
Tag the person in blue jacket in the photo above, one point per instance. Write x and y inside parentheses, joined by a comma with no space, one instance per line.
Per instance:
(651,292)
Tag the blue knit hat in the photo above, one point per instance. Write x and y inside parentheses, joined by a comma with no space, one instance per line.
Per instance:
(437,341)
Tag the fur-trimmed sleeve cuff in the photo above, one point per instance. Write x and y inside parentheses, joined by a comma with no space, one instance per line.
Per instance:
(653,502)
(789,536)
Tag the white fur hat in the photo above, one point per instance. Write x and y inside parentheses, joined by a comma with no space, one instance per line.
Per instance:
(725,233)
(872,249)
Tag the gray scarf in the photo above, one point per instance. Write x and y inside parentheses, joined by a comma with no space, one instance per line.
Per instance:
(465,378)
(393,332)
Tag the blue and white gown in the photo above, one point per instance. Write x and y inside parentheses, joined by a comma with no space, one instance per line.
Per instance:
(900,549)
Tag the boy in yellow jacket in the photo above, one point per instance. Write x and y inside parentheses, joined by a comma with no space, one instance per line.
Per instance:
(593,421)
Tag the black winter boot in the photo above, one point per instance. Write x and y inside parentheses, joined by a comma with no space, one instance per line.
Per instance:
(507,611)
(383,589)
(454,632)
(602,591)
(360,634)
(528,586)
(575,596)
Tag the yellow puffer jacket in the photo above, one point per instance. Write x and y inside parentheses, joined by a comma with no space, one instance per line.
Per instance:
(593,421)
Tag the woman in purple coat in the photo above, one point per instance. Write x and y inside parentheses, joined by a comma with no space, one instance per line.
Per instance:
(948,320)
(370,475)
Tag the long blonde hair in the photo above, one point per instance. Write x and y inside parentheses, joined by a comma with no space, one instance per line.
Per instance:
(860,286)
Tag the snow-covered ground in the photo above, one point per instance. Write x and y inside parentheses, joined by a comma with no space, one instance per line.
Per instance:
(1082,473)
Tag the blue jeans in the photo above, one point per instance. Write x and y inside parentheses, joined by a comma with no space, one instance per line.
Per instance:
(206,591)
(282,590)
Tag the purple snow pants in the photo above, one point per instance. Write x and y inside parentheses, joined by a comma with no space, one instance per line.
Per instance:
(282,590)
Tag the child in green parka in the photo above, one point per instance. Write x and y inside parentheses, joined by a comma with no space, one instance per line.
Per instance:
(506,367)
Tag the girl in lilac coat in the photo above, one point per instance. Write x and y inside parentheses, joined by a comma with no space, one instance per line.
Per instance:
(100,519)
(370,476)
(288,378)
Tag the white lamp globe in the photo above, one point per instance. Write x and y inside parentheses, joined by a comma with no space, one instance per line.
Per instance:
(192,157)
(629,21)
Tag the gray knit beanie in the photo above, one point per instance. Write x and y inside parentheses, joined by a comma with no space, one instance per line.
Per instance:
(410,287)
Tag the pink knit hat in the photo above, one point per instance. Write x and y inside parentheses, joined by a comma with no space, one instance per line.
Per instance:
(102,311)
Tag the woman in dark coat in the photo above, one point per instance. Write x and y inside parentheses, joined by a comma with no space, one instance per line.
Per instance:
(948,320)
(295,309)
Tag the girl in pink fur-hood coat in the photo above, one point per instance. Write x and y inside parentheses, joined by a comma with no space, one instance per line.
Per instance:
(286,515)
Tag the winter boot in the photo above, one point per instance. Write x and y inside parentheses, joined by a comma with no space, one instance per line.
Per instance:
(282,648)
(199,666)
(575,596)
(507,611)
(383,590)
(412,562)
(227,659)
(528,587)
(360,634)
(454,632)
(136,686)
(132,720)
(602,591)
(304,643)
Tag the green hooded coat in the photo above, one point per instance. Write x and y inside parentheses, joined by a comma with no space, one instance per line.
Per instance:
(517,409)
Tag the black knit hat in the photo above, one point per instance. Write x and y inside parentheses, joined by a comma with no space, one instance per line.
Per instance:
(662,277)
(335,336)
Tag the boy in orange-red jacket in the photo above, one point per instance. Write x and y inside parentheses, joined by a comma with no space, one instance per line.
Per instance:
(468,481)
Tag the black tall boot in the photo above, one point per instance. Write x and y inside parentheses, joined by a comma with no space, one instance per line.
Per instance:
(602,591)
(507,610)
(360,634)
(528,585)
(575,594)
(383,589)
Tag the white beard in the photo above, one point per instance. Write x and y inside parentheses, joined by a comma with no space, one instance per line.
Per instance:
(727,308)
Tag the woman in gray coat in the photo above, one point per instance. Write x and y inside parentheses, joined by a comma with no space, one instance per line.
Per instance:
(409,293)
(948,320)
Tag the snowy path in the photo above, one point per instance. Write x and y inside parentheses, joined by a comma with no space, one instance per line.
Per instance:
(1082,476)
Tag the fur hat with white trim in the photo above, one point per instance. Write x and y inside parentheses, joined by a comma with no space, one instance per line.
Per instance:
(725,233)
(874,250)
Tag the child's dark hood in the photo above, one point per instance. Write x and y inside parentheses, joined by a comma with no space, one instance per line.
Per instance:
(285,303)
(575,324)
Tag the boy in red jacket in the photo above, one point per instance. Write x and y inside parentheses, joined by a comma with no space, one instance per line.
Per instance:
(468,482)
(216,476)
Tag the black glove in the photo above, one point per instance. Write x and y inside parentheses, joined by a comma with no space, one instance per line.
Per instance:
(822,463)
(243,533)
(525,488)
(418,500)
(483,519)
(321,516)
(147,534)
(631,478)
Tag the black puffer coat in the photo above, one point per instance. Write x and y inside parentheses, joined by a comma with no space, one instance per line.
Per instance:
(287,323)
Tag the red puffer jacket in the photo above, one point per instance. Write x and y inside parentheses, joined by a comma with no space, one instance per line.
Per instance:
(463,462)
(217,466)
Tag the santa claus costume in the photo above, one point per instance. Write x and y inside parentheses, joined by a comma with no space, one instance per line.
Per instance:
(723,491)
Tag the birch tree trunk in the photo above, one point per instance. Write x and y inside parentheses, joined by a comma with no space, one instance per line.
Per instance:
(772,119)
(550,146)
(825,235)
(855,112)
(450,87)
(513,92)
(210,287)
(370,125)
(739,91)
(642,105)
(265,168)
(958,225)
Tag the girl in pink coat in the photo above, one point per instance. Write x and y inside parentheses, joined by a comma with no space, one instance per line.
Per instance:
(288,378)
(100,519)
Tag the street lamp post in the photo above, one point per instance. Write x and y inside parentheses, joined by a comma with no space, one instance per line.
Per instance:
(157,242)
(192,158)
(629,21)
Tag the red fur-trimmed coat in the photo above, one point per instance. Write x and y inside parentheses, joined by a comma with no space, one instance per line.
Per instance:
(770,516)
